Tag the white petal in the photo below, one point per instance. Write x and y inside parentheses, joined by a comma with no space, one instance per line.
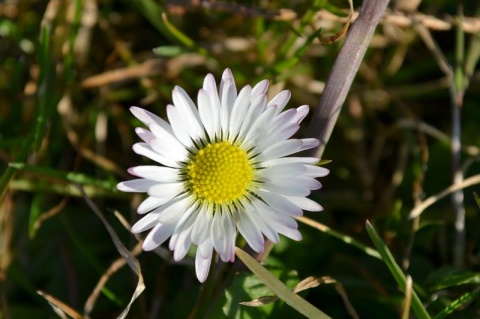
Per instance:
(210,87)
(228,95)
(205,247)
(202,266)
(250,231)
(261,88)
(281,99)
(257,218)
(227,76)
(239,110)
(288,147)
(186,220)
(280,203)
(177,121)
(149,118)
(169,150)
(306,181)
(308,143)
(287,160)
(255,109)
(231,234)
(283,120)
(280,149)
(157,236)
(305,203)
(156,173)
(258,129)
(147,151)
(172,211)
(278,222)
(187,108)
(145,223)
(270,138)
(136,185)
(181,239)
(301,181)
(144,134)
(316,171)
(207,114)
(285,188)
(166,136)
(282,171)
(218,235)
(166,190)
(201,229)
(302,111)
(150,203)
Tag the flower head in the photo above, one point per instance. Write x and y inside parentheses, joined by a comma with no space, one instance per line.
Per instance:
(223,169)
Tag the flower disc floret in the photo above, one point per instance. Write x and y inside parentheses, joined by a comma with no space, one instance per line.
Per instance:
(219,173)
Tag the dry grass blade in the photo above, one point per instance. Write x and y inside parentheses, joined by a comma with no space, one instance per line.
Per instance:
(307,283)
(435,198)
(408,298)
(69,117)
(469,24)
(262,301)
(148,68)
(340,34)
(129,258)
(60,308)
(51,212)
(114,267)
(312,282)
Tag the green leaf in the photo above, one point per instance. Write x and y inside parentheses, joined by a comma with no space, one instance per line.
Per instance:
(279,288)
(397,273)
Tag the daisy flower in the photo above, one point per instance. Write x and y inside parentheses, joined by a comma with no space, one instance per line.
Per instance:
(222,170)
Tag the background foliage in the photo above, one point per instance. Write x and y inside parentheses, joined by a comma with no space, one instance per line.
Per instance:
(69,70)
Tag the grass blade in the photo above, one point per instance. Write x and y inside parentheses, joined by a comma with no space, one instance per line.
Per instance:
(397,273)
(282,291)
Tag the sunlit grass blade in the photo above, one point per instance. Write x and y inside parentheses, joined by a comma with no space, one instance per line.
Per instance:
(463,299)
(477,199)
(43,95)
(396,271)
(282,291)
(35,211)
(73,177)
(458,279)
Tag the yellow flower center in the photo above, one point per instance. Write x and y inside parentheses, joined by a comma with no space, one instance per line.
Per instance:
(219,173)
